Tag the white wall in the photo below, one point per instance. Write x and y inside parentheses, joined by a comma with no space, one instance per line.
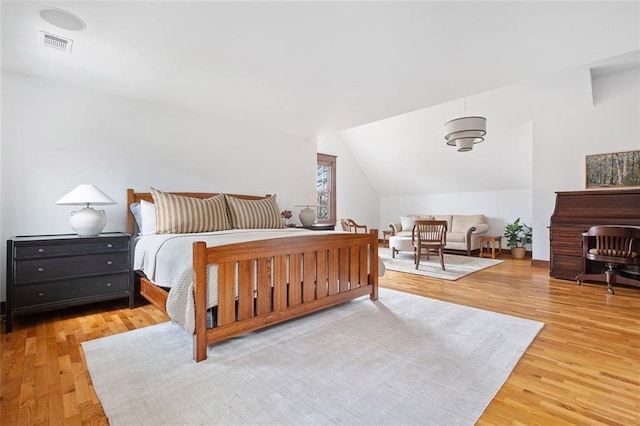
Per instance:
(56,136)
(562,140)
(355,196)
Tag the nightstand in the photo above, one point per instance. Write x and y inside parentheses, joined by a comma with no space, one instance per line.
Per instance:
(47,272)
(319,227)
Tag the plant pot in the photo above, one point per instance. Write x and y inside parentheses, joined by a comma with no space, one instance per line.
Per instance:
(518,252)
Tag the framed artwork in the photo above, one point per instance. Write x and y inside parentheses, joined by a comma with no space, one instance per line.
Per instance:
(614,170)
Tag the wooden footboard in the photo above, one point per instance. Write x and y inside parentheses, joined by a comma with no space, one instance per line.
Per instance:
(280,279)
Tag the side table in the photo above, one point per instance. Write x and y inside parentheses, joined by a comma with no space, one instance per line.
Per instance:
(491,241)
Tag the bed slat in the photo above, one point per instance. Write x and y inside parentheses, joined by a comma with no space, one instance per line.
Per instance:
(321,274)
(245,292)
(264,286)
(295,295)
(226,293)
(280,283)
(309,284)
(332,279)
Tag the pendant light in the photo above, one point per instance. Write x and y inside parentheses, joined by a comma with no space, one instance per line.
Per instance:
(464,132)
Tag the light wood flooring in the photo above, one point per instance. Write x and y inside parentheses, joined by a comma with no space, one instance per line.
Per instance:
(583,368)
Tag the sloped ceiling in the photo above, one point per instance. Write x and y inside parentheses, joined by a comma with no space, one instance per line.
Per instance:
(310,67)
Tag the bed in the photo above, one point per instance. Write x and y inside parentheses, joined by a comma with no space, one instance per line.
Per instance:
(237,283)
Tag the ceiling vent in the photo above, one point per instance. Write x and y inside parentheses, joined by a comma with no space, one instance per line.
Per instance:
(56,42)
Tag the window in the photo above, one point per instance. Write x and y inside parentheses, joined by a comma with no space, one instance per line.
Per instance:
(326,188)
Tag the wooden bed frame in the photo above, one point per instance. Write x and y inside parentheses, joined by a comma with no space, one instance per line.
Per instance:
(328,269)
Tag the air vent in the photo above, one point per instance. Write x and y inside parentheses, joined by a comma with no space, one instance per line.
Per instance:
(57,42)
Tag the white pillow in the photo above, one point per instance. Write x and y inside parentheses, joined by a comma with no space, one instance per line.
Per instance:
(148,213)
(407,222)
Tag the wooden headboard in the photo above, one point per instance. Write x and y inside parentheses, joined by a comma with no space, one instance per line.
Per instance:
(135,197)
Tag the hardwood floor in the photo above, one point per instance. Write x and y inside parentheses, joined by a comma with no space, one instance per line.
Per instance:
(583,368)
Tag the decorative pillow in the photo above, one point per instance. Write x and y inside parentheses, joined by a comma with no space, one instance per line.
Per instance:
(177,214)
(254,214)
(407,222)
(148,217)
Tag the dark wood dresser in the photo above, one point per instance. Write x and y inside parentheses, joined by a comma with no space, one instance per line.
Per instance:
(577,211)
(46,272)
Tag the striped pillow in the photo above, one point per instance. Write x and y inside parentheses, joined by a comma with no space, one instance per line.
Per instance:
(177,214)
(254,214)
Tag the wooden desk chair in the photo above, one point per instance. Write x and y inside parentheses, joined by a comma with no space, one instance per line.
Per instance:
(615,246)
(428,235)
(351,226)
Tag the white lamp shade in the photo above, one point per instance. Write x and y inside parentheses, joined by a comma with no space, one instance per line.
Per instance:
(309,201)
(471,129)
(464,145)
(86,194)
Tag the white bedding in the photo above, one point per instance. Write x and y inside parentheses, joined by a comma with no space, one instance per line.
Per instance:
(167,259)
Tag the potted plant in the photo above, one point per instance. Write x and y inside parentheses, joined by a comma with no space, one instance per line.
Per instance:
(518,235)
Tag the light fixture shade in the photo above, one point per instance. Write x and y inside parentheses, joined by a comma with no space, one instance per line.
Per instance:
(86,194)
(465,131)
(309,201)
(464,145)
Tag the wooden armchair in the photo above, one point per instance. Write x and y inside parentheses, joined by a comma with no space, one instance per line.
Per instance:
(615,246)
(350,225)
(429,235)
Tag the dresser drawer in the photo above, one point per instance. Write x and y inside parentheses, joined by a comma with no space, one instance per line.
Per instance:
(67,290)
(47,249)
(35,270)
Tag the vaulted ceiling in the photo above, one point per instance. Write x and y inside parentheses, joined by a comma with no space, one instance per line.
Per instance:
(310,67)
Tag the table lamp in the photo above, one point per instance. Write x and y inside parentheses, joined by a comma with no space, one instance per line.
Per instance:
(307,215)
(87,221)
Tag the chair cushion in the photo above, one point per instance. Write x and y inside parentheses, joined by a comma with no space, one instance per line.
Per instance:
(613,253)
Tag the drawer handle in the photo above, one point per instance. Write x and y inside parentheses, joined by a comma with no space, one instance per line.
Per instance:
(108,284)
(110,245)
(40,294)
(40,250)
(40,269)
(109,262)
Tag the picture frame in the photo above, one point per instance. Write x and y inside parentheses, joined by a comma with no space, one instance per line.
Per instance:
(613,170)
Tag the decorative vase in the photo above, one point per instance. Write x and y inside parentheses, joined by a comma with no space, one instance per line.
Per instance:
(307,216)
(518,252)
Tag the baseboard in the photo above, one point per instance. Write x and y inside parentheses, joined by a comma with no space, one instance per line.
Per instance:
(541,263)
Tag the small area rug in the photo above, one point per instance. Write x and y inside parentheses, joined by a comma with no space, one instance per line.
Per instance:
(401,360)
(456,266)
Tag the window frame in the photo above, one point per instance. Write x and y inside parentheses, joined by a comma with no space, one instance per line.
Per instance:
(330,161)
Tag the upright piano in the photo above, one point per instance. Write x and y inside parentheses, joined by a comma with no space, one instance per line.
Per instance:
(577,211)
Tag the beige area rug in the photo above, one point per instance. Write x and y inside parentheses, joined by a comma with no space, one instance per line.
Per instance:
(456,266)
(401,360)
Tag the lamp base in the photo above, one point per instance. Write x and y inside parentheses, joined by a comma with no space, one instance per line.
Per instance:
(88,222)
(307,216)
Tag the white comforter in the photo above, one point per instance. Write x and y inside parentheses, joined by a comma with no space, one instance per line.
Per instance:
(167,260)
